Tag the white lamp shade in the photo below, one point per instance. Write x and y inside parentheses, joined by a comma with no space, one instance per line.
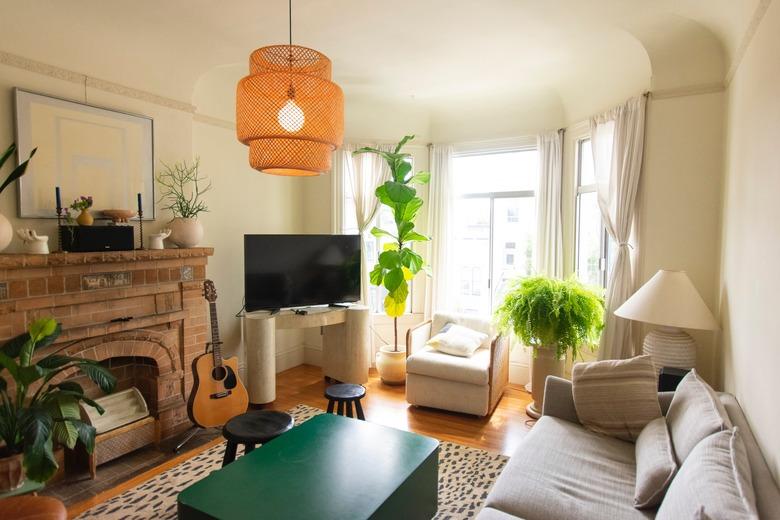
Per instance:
(669,299)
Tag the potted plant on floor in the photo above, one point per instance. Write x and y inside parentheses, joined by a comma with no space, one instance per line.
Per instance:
(553,317)
(182,189)
(398,263)
(6,230)
(35,412)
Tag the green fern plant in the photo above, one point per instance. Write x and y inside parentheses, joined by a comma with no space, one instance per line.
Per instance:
(552,313)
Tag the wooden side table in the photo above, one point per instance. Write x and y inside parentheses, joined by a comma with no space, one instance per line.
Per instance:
(253,428)
(346,395)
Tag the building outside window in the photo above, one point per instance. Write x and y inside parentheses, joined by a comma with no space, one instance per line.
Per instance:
(494,228)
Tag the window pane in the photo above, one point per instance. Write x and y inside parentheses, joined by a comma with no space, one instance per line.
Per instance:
(589,236)
(471,253)
(587,175)
(519,232)
(497,172)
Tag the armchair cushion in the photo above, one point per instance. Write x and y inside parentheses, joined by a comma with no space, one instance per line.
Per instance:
(440,319)
(429,362)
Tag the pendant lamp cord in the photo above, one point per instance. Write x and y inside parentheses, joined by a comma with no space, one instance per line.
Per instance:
(289,18)
(291,89)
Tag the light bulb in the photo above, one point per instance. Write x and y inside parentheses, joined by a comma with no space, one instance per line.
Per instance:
(291,116)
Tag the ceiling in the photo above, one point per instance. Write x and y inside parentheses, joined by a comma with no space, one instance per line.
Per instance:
(440,53)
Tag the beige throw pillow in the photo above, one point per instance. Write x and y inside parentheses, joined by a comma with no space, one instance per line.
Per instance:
(694,414)
(713,483)
(616,397)
(457,340)
(655,464)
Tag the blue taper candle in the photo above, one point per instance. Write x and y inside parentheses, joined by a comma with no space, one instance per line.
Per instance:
(57,196)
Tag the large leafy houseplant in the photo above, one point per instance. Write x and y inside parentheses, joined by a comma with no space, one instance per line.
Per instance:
(35,412)
(553,317)
(552,313)
(398,263)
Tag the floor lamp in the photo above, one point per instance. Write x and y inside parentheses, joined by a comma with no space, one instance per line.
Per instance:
(670,301)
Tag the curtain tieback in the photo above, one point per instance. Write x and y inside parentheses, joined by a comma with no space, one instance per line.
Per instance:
(625,244)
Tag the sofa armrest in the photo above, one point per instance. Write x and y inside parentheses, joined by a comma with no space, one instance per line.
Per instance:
(417,336)
(558,400)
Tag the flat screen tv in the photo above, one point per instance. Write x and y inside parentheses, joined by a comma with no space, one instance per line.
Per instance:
(283,271)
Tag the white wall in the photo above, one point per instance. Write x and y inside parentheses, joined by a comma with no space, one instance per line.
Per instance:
(751,229)
(172,135)
(679,200)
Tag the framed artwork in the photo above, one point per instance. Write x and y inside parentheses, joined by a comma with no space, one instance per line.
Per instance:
(85,150)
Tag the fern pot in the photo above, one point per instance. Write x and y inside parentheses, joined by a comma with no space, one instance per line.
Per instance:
(544,363)
(391,364)
(11,472)
(186,232)
(6,232)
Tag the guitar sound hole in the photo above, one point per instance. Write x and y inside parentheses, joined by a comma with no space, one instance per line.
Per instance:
(219,373)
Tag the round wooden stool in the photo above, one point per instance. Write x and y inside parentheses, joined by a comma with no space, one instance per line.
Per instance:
(253,428)
(346,395)
(32,508)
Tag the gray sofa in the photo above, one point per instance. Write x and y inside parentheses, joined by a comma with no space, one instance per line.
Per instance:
(563,471)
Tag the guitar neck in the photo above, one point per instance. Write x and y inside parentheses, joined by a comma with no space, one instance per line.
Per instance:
(216,344)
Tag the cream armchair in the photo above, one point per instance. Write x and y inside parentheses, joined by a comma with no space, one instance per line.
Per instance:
(472,385)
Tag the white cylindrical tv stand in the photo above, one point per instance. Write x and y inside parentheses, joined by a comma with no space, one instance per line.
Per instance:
(345,346)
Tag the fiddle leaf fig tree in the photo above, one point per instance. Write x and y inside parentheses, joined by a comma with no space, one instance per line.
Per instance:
(398,263)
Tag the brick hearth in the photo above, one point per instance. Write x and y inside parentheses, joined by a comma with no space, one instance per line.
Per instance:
(141,313)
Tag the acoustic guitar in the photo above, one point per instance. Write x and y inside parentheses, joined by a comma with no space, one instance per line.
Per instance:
(217,394)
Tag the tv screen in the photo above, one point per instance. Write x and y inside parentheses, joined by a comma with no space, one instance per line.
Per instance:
(300,270)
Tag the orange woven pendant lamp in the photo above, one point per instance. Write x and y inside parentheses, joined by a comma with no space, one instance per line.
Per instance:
(288,111)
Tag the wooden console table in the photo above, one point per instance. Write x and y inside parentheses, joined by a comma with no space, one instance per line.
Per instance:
(345,346)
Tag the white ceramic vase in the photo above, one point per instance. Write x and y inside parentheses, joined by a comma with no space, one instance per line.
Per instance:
(6,232)
(186,232)
(391,364)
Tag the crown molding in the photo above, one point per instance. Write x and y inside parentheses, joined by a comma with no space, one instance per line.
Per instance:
(20,62)
(214,121)
(752,28)
(687,90)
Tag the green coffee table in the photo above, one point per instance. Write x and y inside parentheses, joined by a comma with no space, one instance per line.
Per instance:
(330,467)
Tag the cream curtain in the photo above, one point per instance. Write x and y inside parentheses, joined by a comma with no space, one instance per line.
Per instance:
(361,176)
(441,199)
(549,224)
(617,138)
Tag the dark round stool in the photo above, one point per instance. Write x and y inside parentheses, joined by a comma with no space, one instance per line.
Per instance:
(346,395)
(252,428)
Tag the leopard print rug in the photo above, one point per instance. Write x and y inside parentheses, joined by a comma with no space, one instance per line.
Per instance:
(465,478)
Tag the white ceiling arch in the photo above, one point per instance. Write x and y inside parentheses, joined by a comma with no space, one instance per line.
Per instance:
(435,54)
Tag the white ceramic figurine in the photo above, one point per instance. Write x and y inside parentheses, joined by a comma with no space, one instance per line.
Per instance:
(33,243)
(156,239)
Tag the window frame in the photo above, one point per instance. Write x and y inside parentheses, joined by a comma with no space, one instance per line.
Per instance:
(581,189)
(493,195)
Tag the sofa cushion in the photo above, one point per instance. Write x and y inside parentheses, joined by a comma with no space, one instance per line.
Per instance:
(714,482)
(561,470)
(695,413)
(430,362)
(489,513)
(655,464)
(457,340)
(616,397)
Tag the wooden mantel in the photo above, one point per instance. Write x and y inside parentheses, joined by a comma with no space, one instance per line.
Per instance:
(143,306)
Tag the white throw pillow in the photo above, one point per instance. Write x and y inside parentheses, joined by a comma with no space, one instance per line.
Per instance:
(457,340)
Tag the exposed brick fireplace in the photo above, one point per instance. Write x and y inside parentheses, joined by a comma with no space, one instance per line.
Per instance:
(141,313)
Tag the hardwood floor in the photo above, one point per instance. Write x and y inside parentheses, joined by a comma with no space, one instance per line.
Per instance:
(383,404)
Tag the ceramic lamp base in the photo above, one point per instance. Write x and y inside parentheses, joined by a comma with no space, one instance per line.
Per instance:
(670,347)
